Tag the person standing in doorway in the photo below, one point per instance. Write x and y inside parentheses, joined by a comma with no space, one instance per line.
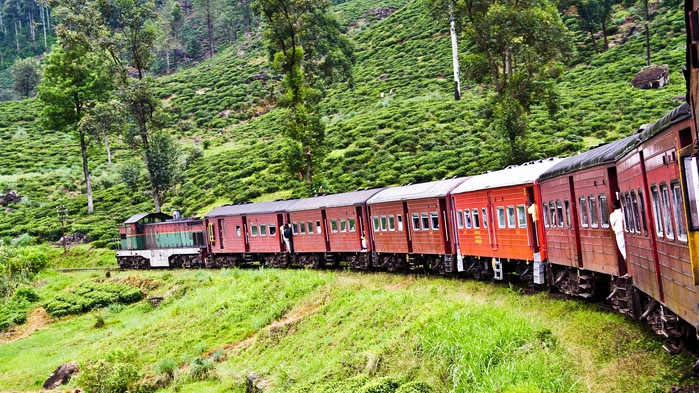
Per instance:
(616,220)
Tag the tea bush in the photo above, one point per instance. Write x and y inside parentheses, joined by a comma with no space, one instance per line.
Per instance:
(89,295)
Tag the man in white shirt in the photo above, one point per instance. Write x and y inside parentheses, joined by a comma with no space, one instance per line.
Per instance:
(616,219)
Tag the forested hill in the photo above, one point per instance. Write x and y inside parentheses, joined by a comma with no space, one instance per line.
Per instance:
(396,123)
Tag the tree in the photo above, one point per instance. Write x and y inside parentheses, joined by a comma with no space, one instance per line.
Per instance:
(103,120)
(516,48)
(209,10)
(124,33)
(25,76)
(306,46)
(589,18)
(75,80)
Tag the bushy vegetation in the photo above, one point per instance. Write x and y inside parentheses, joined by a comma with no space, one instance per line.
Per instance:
(90,295)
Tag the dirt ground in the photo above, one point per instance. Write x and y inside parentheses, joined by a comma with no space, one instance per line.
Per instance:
(37,319)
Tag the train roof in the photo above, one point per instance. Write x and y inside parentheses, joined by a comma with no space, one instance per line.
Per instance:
(335,200)
(251,208)
(678,114)
(148,218)
(434,189)
(511,176)
(604,154)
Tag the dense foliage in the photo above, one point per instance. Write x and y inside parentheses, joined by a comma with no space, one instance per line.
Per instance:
(89,295)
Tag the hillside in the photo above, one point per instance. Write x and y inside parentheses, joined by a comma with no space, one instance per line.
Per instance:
(314,331)
(397,124)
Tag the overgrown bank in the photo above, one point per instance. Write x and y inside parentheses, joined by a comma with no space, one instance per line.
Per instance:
(307,331)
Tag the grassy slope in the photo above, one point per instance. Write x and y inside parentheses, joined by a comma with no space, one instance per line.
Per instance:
(308,328)
(417,133)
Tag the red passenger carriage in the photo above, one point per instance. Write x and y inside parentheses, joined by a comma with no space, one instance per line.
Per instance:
(495,223)
(410,226)
(247,233)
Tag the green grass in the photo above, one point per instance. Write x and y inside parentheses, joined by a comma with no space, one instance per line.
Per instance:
(306,331)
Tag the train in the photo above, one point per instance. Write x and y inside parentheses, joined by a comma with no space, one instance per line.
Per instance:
(545,223)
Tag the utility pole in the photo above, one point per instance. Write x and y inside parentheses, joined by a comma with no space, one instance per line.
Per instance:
(62,216)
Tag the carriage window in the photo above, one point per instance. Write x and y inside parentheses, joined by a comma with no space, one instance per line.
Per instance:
(655,198)
(352,224)
(425,221)
(272,229)
(476,221)
(677,212)
(629,205)
(501,217)
(628,216)
(644,222)
(384,223)
(376,224)
(552,213)
(592,205)
(691,178)
(343,225)
(416,221)
(434,217)
(511,221)
(546,216)
(559,213)
(319,229)
(467,219)
(391,223)
(238,232)
(583,212)
(636,216)
(400,222)
(263,230)
(566,204)
(333,226)
(459,219)
(295,227)
(604,210)
(521,216)
(302,226)
(484,217)
(253,230)
(310,227)
(665,197)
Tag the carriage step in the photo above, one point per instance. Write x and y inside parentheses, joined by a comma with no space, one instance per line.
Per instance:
(586,277)
(584,286)
(671,348)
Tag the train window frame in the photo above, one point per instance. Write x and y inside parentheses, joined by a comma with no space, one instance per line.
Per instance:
(592,211)
(566,205)
(484,218)
(391,222)
(459,219)
(253,230)
(343,225)
(416,221)
(263,230)
(238,231)
(295,228)
(384,224)
(434,221)
(319,228)
(625,210)
(603,210)
(399,219)
(333,226)
(559,213)
(521,216)
(629,207)
(552,215)
(511,217)
(302,227)
(468,221)
(351,224)
(677,204)
(425,221)
(501,217)
(272,229)
(582,204)
(476,219)
(546,214)
(377,227)
(690,170)
(667,211)
(642,207)
(657,216)
(636,212)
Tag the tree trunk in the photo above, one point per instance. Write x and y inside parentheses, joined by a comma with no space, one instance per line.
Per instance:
(43,24)
(210,29)
(594,41)
(309,168)
(167,60)
(156,199)
(32,28)
(109,152)
(86,172)
(604,34)
(645,6)
(16,37)
(454,54)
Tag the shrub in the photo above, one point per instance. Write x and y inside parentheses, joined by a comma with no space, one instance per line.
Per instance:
(89,295)
(108,377)
(414,387)
(200,369)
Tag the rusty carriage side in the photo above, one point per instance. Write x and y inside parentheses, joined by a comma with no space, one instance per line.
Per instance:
(496,215)
(655,227)
(331,229)
(577,196)
(158,240)
(246,234)
(411,227)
